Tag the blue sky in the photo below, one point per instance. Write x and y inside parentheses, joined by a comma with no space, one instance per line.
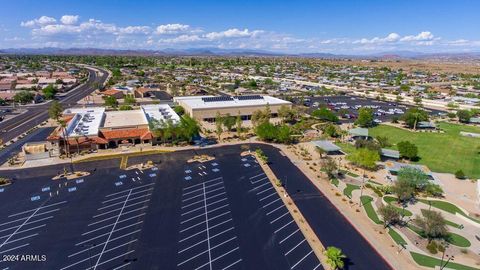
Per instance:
(354,27)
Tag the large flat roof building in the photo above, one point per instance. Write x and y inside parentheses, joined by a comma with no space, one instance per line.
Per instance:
(205,108)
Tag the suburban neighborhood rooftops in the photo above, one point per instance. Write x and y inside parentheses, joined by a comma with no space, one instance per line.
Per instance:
(210,102)
(327,146)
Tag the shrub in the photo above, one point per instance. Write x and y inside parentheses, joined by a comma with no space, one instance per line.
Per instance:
(460,174)
(432,247)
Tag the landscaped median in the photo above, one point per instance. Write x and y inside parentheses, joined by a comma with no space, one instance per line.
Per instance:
(448,207)
(432,262)
(121,155)
(367,205)
(305,228)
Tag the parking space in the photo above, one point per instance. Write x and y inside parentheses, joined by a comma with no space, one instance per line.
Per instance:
(294,246)
(347,107)
(178,215)
(207,234)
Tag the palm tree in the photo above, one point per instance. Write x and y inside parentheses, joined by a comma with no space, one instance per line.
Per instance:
(335,257)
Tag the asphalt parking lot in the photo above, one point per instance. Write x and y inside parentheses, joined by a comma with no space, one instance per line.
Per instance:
(385,110)
(222,214)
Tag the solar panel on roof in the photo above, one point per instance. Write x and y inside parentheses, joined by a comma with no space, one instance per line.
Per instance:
(216,99)
(251,97)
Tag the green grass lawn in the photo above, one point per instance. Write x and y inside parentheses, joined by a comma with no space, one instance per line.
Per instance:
(458,240)
(367,204)
(441,152)
(335,181)
(348,190)
(346,147)
(428,261)
(448,207)
(392,201)
(396,237)
(453,238)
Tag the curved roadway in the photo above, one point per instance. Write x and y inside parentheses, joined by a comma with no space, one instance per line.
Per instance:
(38,113)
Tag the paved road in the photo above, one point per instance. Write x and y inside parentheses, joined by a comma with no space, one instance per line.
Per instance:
(36,114)
(40,134)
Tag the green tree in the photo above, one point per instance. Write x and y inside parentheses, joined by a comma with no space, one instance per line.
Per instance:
(365,117)
(129,100)
(432,224)
(413,116)
(330,130)
(404,190)
(125,108)
(364,158)
(383,141)
(464,116)
(325,114)
(179,110)
(390,215)
(23,97)
(49,91)
(238,124)
(111,101)
(229,121)
(459,174)
(283,134)
(407,150)
(266,131)
(335,257)
(218,125)
(418,101)
(55,110)
(329,166)
(286,113)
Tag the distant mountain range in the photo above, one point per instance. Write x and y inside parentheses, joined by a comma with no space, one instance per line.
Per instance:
(235,52)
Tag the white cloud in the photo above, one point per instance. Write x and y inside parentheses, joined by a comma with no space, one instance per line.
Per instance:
(233,33)
(392,37)
(69,19)
(134,30)
(44,20)
(173,28)
(423,36)
(181,39)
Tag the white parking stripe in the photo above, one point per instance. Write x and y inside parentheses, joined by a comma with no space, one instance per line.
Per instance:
(120,203)
(220,215)
(26,230)
(17,247)
(114,210)
(192,218)
(124,191)
(101,235)
(111,232)
(200,195)
(42,207)
(317,266)
(256,176)
(268,196)
(106,226)
(38,214)
(199,184)
(265,190)
(98,244)
(123,196)
(269,213)
(193,226)
(259,180)
(302,259)
(275,220)
(20,239)
(232,264)
(257,187)
(270,203)
(279,229)
(125,213)
(284,239)
(31,222)
(292,249)
(219,257)
(200,189)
